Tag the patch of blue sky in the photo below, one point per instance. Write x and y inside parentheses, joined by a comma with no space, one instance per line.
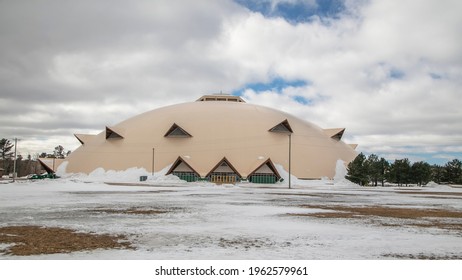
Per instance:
(276,85)
(436,76)
(396,74)
(296,11)
(443,158)
(431,158)
(302,100)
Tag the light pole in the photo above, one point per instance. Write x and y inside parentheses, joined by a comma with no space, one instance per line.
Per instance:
(290,156)
(153,150)
(14,164)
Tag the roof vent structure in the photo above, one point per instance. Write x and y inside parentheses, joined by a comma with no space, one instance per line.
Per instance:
(83,137)
(283,127)
(111,134)
(176,131)
(221,97)
(335,133)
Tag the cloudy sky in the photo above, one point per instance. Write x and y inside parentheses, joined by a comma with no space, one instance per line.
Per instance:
(388,71)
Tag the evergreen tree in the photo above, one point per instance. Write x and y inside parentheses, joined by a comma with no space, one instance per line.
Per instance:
(400,172)
(384,167)
(374,168)
(358,170)
(437,175)
(453,172)
(421,173)
(6,153)
(5,149)
(377,169)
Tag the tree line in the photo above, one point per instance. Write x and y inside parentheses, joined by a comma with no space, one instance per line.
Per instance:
(28,165)
(373,170)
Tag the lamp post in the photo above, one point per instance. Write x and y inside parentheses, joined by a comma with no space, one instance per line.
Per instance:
(290,156)
(153,150)
(284,128)
(14,164)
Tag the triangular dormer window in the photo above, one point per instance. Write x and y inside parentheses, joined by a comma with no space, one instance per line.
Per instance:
(283,127)
(176,131)
(183,170)
(266,173)
(111,134)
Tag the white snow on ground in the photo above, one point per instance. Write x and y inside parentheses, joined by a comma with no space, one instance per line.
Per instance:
(245,221)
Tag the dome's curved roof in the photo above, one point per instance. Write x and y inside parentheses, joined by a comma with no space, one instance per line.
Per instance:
(203,133)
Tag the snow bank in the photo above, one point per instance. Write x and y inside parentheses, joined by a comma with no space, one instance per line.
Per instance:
(340,174)
(339,178)
(131,175)
(61,171)
(340,171)
(160,177)
(434,185)
(285,175)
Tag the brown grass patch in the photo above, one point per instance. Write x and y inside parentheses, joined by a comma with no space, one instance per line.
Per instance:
(244,243)
(388,212)
(427,218)
(36,240)
(328,215)
(130,211)
(422,257)
(438,224)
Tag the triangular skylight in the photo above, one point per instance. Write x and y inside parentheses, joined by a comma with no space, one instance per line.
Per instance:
(111,134)
(283,127)
(176,131)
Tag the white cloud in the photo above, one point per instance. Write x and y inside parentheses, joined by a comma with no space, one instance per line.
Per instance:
(353,63)
(388,71)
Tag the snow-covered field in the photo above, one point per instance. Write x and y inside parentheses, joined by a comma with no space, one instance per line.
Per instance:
(245,221)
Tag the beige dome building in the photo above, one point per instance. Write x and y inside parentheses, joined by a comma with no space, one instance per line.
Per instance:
(218,138)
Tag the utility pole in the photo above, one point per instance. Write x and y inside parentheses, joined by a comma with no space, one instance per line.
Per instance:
(14,164)
(290,156)
(153,150)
